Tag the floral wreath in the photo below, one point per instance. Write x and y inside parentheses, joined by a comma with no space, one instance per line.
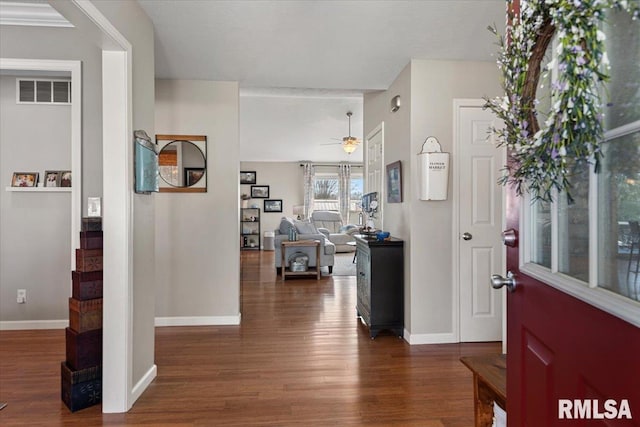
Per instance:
(541,159)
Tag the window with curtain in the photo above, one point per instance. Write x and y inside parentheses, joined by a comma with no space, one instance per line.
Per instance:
(326,193)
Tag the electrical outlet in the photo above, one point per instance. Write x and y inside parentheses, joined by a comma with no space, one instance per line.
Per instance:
(22,296)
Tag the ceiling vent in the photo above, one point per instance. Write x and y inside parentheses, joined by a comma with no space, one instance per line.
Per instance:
(42,91)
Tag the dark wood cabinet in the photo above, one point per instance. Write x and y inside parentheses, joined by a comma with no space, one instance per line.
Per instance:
(380,283)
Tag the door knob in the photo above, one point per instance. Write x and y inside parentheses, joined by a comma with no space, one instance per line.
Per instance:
(510,238)
(497,281)
(466,236)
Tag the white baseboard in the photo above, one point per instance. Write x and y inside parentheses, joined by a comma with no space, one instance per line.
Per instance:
(416,339)
(18,325)
(144,382)
(198,321)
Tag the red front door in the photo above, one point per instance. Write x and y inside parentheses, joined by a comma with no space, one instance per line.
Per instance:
(559,347)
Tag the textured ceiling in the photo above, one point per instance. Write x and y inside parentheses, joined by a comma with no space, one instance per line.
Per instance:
(303,64)
(319,44)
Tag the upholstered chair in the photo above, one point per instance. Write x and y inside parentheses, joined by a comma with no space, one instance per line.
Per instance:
(331,225)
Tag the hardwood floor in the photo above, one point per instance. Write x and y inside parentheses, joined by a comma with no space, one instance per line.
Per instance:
(299,358)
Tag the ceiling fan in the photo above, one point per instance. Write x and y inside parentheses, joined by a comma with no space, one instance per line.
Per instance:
(349,143)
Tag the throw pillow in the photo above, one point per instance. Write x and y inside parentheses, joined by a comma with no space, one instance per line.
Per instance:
(286,224)
(305,227)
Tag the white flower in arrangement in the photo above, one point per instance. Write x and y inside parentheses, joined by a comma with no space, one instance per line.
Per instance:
(573,128)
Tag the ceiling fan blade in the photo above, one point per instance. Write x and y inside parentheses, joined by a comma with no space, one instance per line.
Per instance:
(332,143)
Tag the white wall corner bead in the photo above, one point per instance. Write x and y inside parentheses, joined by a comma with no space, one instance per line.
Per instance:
(434,170)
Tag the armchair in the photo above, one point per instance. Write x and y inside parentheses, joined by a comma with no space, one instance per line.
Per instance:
(331,225)
(306,231)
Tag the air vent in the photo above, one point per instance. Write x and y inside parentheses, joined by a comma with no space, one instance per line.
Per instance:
(41,91)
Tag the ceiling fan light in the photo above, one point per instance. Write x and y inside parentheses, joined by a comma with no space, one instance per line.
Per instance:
(349,147)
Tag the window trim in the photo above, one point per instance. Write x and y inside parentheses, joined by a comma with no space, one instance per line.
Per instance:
(615,304)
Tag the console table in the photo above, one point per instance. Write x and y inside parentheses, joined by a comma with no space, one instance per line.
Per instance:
(489,385)
(380,284)
(311,271)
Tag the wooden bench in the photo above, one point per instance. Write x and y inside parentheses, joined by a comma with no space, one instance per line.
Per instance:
(489,385)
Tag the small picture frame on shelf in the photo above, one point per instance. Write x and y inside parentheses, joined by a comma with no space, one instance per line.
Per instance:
(24,179)
(259,191)
(273,205)
(65,178)
(248,177)
(52,178)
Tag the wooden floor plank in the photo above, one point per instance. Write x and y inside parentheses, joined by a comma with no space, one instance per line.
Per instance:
(300,357)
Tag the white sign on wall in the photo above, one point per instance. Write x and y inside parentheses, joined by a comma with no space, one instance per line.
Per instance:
(434,171)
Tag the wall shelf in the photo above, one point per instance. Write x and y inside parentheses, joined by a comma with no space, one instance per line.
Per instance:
(39,189)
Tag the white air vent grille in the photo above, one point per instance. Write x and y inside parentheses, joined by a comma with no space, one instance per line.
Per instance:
(41,91)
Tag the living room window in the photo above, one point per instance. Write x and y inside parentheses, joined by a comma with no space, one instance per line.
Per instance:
(326,193)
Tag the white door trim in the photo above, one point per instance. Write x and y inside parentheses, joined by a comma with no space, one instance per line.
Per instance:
(75,68)
(455,265)
(378,129)
(117,134)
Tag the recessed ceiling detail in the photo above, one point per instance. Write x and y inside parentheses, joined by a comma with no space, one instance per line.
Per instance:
(31,14)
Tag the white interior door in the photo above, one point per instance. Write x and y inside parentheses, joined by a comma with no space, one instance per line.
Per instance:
(480,222)
(374,165)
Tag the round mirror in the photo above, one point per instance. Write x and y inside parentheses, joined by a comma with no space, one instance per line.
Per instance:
(182,163)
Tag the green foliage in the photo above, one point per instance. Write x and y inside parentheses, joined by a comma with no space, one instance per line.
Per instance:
(540,155)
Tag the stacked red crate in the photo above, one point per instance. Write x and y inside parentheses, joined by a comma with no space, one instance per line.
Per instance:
(81,373)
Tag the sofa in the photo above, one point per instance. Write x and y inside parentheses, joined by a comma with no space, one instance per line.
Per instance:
(330,224)
(306,231)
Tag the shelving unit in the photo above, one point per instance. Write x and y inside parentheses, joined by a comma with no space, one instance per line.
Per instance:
(39,189)
(250,228)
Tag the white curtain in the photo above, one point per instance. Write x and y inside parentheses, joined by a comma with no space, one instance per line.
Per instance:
(344,189)
(309,174)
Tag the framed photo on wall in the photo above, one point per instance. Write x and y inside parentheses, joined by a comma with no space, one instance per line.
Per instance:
(24,179)
(65,178)
(52,178)
(394,182)
(273,205)
(259,191)
(192,175)
(248,177)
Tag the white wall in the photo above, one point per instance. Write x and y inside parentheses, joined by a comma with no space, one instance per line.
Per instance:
(53,43)
(131,21)
(34,227)
(197,234)
(397,138)
(34,224)
(427,225)
(285,182)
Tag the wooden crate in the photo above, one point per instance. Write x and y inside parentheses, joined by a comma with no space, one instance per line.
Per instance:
(88,260)
(91,239)
(84,349)
(86,285)
(85,315)
(80,388)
